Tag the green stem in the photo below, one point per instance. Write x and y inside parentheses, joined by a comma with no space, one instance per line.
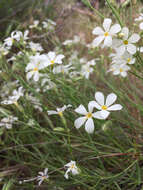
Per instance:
(115,12)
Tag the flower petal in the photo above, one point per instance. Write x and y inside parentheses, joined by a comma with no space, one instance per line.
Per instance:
(97,115)
(52,112)
(95,104)
(111,98)
(99,96)
(59,58)
(108,41)
(125,31)
(79,122)
(131,49)
(90,107)
(106,24)
(115,107)
(115,29)
(51,55)
(104,114)
(98,31)
(123,74)
(97,41)
(121,50)
(141,25)
(81,110)
(89,126)
(134,38)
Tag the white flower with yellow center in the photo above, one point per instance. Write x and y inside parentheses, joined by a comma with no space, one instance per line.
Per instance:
(126,58)
(16,94)
(71,168)
(127,42)
(119,69)
(105,106)
(37,63)
(53,59)
(59,110)
(106,33)
(42,176)
(87,118)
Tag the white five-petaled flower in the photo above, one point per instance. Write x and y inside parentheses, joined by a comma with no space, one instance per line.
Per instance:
(42,176)
(106,34)
(71,168)
(86,69)
(105,106)
(127,42)
(14,98)
(59,110)
(126,58)
(37,62)
(119,69)
(52,58)
(87,118)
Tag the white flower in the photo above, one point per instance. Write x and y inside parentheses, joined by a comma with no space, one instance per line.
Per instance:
(15,35)
(119,69)
(8,121)
(127,42)
(25,35)
(14,98)
(71,168)
(87,118)
(52,58)
(36,63)
(35,24)
(42,176)
(86,69)
(46,83)
(59,110)
(140,18)
(141,25)
(3,50)
(106,34)
(105,106)
(48,24)
(35,46)
(62,69)
(126,58)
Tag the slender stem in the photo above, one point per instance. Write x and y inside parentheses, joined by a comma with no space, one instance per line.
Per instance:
(115,12)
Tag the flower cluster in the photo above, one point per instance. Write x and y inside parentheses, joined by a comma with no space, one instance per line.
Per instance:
(121,41)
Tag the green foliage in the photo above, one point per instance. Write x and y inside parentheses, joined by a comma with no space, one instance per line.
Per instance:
(109,159)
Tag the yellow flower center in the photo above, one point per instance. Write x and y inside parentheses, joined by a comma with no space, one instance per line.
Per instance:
(106,34)
(44,177)
(128,60)
(72,166)
(104,107)
(60,113)
(52,62)
(89,115)
(125,42)
(121,70)
(35,69)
